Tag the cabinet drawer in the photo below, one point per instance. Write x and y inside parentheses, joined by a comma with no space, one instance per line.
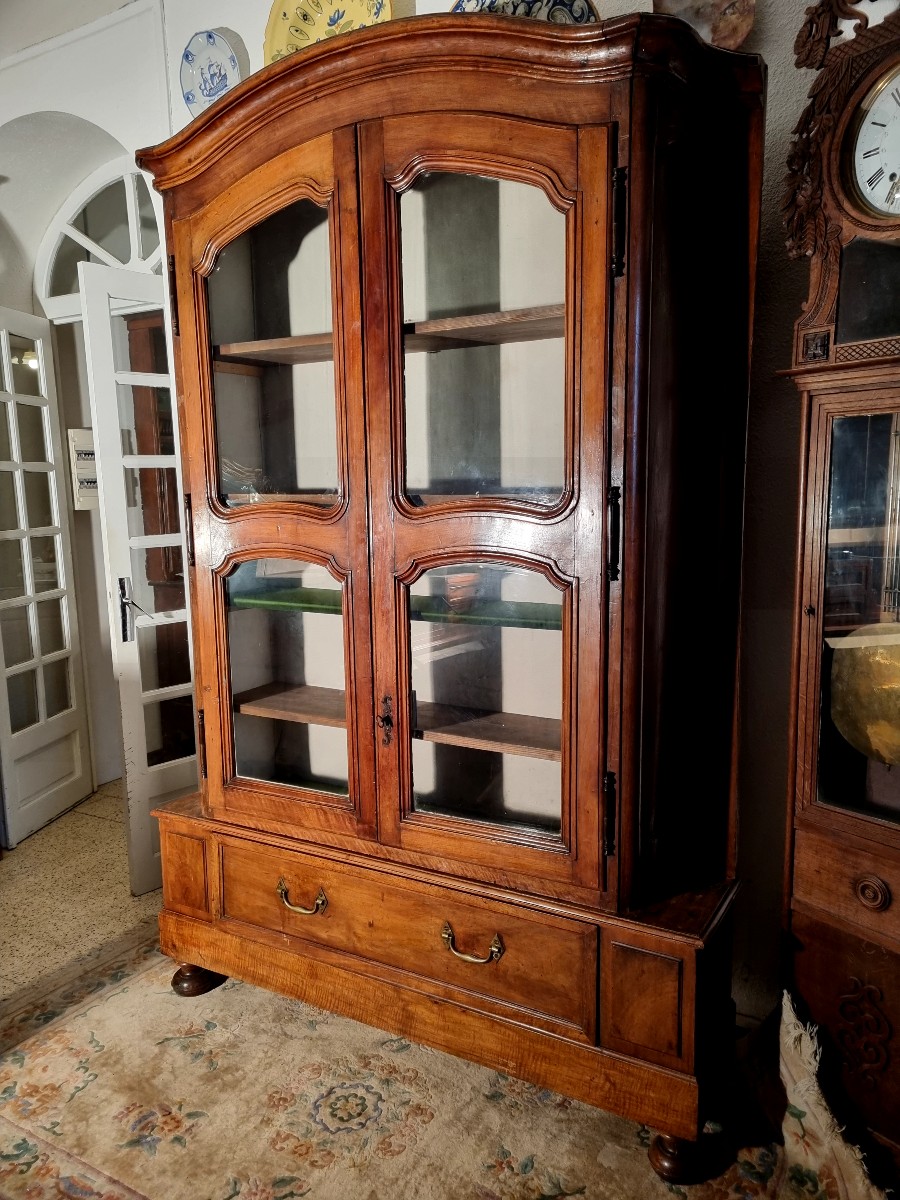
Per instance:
(848,882)
(547,967)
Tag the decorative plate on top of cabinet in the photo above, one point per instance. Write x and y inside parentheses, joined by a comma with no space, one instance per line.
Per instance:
(209,68)
(561,12)
(292,28)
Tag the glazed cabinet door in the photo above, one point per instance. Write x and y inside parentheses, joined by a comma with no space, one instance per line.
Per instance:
(849,740)
(278,492)
(487,398)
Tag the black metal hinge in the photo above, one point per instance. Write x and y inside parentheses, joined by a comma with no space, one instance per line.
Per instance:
(201,742)
(620,210)
(614,539)
(173,295)
(188,529)
(609,814)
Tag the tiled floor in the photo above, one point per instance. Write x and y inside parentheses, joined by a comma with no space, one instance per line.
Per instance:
(64,891)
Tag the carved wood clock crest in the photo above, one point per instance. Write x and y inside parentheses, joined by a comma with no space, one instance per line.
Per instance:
(843,180)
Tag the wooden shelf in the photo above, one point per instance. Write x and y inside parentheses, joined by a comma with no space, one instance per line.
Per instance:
(503,733)
(506,614)
(421,337)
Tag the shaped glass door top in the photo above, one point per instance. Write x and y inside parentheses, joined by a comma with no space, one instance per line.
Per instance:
(273,361)
(484,263)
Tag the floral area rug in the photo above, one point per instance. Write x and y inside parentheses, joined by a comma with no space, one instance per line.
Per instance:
(114,1088)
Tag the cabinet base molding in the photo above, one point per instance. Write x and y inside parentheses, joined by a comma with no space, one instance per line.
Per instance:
(634,1090)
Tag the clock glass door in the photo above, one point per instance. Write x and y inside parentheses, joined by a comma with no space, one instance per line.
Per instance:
(859,740)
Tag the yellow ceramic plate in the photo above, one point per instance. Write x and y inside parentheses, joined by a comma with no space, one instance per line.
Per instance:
(294,27)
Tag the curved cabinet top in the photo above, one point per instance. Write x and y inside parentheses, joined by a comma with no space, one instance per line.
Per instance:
(461,62)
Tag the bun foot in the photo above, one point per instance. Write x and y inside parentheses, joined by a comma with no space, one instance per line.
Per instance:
(676,1160)
(189,980)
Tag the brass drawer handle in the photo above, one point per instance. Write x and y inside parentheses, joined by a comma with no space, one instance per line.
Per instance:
(495,950)
(873,892)
(320,905)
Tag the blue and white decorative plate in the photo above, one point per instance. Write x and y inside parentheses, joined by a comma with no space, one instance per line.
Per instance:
(561,12)
(209,68)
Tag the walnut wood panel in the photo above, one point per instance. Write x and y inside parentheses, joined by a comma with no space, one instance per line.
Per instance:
(857,882)
(185,874)
(548,966)
(647,1000)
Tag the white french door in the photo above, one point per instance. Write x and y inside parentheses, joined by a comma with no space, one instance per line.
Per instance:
(44,748)
(141,514)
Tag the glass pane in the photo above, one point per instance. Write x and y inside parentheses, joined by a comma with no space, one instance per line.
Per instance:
(37,499)
(32,443)
(64,276)
(164,655)
(139,343)
(270,316)
(23,706)
(104,219)
(5,443)
(51,630)
(157,579)
(286,654)
(12,576)
(169,727)
(16,635)
(483,308)
(9,514)
(56,686)
(145,419)
(43,562)
(859,745)
(151,498)
(147,217)
(26,366)
(486,688)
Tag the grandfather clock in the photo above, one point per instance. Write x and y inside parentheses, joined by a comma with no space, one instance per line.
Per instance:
(842,211)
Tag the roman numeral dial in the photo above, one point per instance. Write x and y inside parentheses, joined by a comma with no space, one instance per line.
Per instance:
(874,147)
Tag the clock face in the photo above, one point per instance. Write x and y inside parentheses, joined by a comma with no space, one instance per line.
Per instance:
(876,147)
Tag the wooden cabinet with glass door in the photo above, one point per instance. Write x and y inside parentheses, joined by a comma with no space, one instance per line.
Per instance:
(446,410)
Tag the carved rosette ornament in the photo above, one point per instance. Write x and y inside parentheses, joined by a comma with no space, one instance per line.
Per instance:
(817,216)
(863,1032)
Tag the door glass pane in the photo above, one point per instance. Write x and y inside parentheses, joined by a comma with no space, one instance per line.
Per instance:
(484,317)
(9,514)
(23,705)
(145,418)
(56,686)
(486,695)
(151,498)
(859,742)
(169,726)
(32,444)
(26,365)
(164,655)
(286,654)
(43,563)
(273,374)
(139,343)
(16,635)
(50,626)
(5,443)
(157,579)
(37,499)
(12,576)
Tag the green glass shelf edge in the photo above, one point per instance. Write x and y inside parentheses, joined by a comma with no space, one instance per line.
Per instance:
(520,614)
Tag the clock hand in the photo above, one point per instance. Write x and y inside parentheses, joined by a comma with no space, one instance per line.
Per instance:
(894,190)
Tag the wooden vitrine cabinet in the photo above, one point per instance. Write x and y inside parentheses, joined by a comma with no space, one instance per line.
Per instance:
(462,363)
